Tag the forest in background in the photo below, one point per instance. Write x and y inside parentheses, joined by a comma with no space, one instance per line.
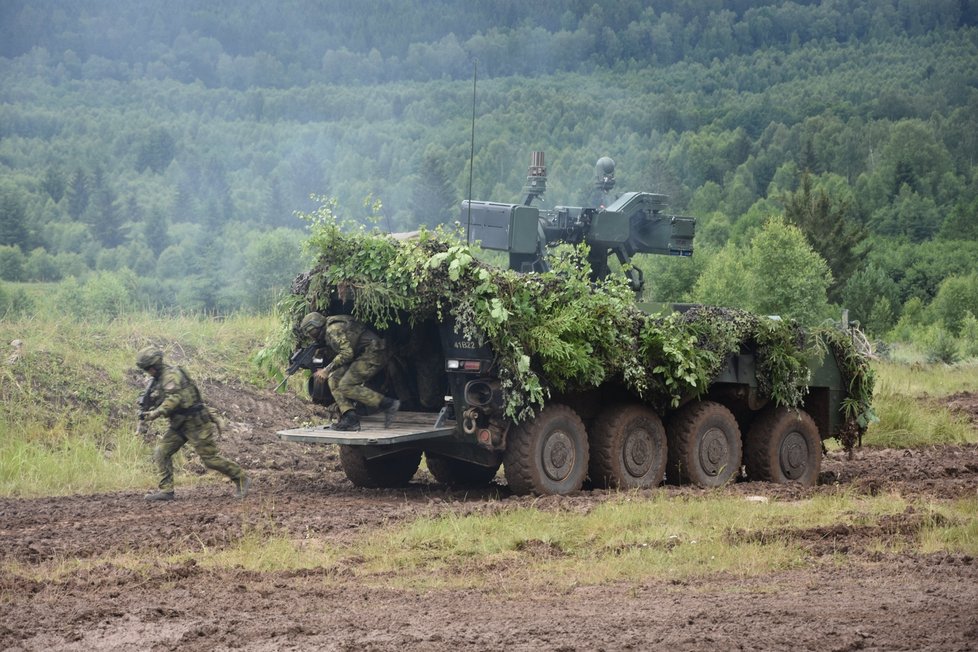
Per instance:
(155,155)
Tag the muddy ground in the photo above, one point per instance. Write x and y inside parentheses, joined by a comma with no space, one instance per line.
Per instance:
(846,598)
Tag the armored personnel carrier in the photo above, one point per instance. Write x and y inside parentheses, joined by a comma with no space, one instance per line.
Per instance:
(696,394)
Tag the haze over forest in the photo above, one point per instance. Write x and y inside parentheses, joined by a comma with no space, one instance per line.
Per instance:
(162,148)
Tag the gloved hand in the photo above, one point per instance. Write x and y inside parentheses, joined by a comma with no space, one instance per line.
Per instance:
(324,373)
(149,416)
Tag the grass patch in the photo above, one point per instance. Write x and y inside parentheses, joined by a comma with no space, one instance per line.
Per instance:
(908,416)
(68,393)
(623,540)
(261,551)
(952,528)
(59,461)
(923,379)
(906,422)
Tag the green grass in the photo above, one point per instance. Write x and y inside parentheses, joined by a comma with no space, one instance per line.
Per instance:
(908,403)
(68,402)
(621,540)
(57,461)
(262,550)
(953,528)
(625,540)
(67,406)
(919,378)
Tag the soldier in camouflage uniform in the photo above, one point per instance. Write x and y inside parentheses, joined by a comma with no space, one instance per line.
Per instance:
(360,355)
(190,420)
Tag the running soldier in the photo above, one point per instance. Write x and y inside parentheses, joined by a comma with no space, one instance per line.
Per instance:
(190,420)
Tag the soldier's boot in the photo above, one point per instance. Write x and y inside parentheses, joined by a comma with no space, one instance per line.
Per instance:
(390,406)
(244,486)
(159,496)
(348,422)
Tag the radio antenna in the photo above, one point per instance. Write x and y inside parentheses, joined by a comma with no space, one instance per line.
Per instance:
(468,225)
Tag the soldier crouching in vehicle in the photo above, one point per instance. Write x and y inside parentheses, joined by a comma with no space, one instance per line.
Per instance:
(190,420)
(360,355)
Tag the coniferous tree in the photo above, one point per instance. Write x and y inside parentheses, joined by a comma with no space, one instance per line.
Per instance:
(156,231)
(156,151)
(831,229)
(13,215)
(433,199)
(54,184)
(103,215)
(78,194)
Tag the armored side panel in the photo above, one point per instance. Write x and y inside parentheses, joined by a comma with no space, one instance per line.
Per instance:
(650,231)
(502,227)
(826,391)
(609,229)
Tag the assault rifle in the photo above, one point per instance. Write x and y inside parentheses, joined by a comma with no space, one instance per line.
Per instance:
(302,359)
(146,403)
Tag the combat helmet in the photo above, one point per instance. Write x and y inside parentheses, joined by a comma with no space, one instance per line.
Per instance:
(312,323)
(149,356)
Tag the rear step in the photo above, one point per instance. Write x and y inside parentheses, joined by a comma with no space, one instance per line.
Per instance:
(407,426)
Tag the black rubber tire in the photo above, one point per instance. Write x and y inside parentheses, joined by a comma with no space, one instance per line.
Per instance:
(783,446)
(459,473)
(704,445)
(395,470)
(547,454)
(628,448)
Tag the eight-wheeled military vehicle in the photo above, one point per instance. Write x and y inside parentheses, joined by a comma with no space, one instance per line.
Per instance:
(604,436)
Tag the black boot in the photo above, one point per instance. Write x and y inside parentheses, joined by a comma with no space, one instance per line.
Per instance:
(159,495)
(390,406)
(348,422)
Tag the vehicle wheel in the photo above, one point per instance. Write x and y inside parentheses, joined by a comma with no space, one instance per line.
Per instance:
(547,454)
(704,445)
(459,473)
(628,448)
(783,446)
(394,470)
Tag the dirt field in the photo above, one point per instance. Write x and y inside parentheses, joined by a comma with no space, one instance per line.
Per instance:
(869,601)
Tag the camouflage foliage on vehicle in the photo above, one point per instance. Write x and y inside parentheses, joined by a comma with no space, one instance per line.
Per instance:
(559,330)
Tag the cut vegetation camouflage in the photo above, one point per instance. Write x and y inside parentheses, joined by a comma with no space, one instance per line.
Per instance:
(559,330)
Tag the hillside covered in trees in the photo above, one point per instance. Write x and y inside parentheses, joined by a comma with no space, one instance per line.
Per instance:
(158,152)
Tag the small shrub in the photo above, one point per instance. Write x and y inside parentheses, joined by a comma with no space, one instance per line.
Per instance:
(12,262)
(940,345)
(969,336)
(102,295)
(14,302)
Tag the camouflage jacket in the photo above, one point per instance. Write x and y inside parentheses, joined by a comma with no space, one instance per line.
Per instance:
(348,337)
(179,396)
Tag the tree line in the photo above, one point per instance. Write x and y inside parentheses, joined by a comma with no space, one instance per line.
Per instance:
(853,121)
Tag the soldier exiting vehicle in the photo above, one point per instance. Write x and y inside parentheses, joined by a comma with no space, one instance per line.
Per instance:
(190,420)
(360,355)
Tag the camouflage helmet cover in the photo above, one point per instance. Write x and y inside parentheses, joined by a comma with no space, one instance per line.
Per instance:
(149,356)
(312,323)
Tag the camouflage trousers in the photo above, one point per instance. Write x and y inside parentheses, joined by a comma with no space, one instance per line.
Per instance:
(349,383)
(201,437)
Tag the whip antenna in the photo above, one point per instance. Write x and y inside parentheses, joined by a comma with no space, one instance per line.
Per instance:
(468,221)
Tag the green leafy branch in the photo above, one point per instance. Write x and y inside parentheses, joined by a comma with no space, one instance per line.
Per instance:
(559,330)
